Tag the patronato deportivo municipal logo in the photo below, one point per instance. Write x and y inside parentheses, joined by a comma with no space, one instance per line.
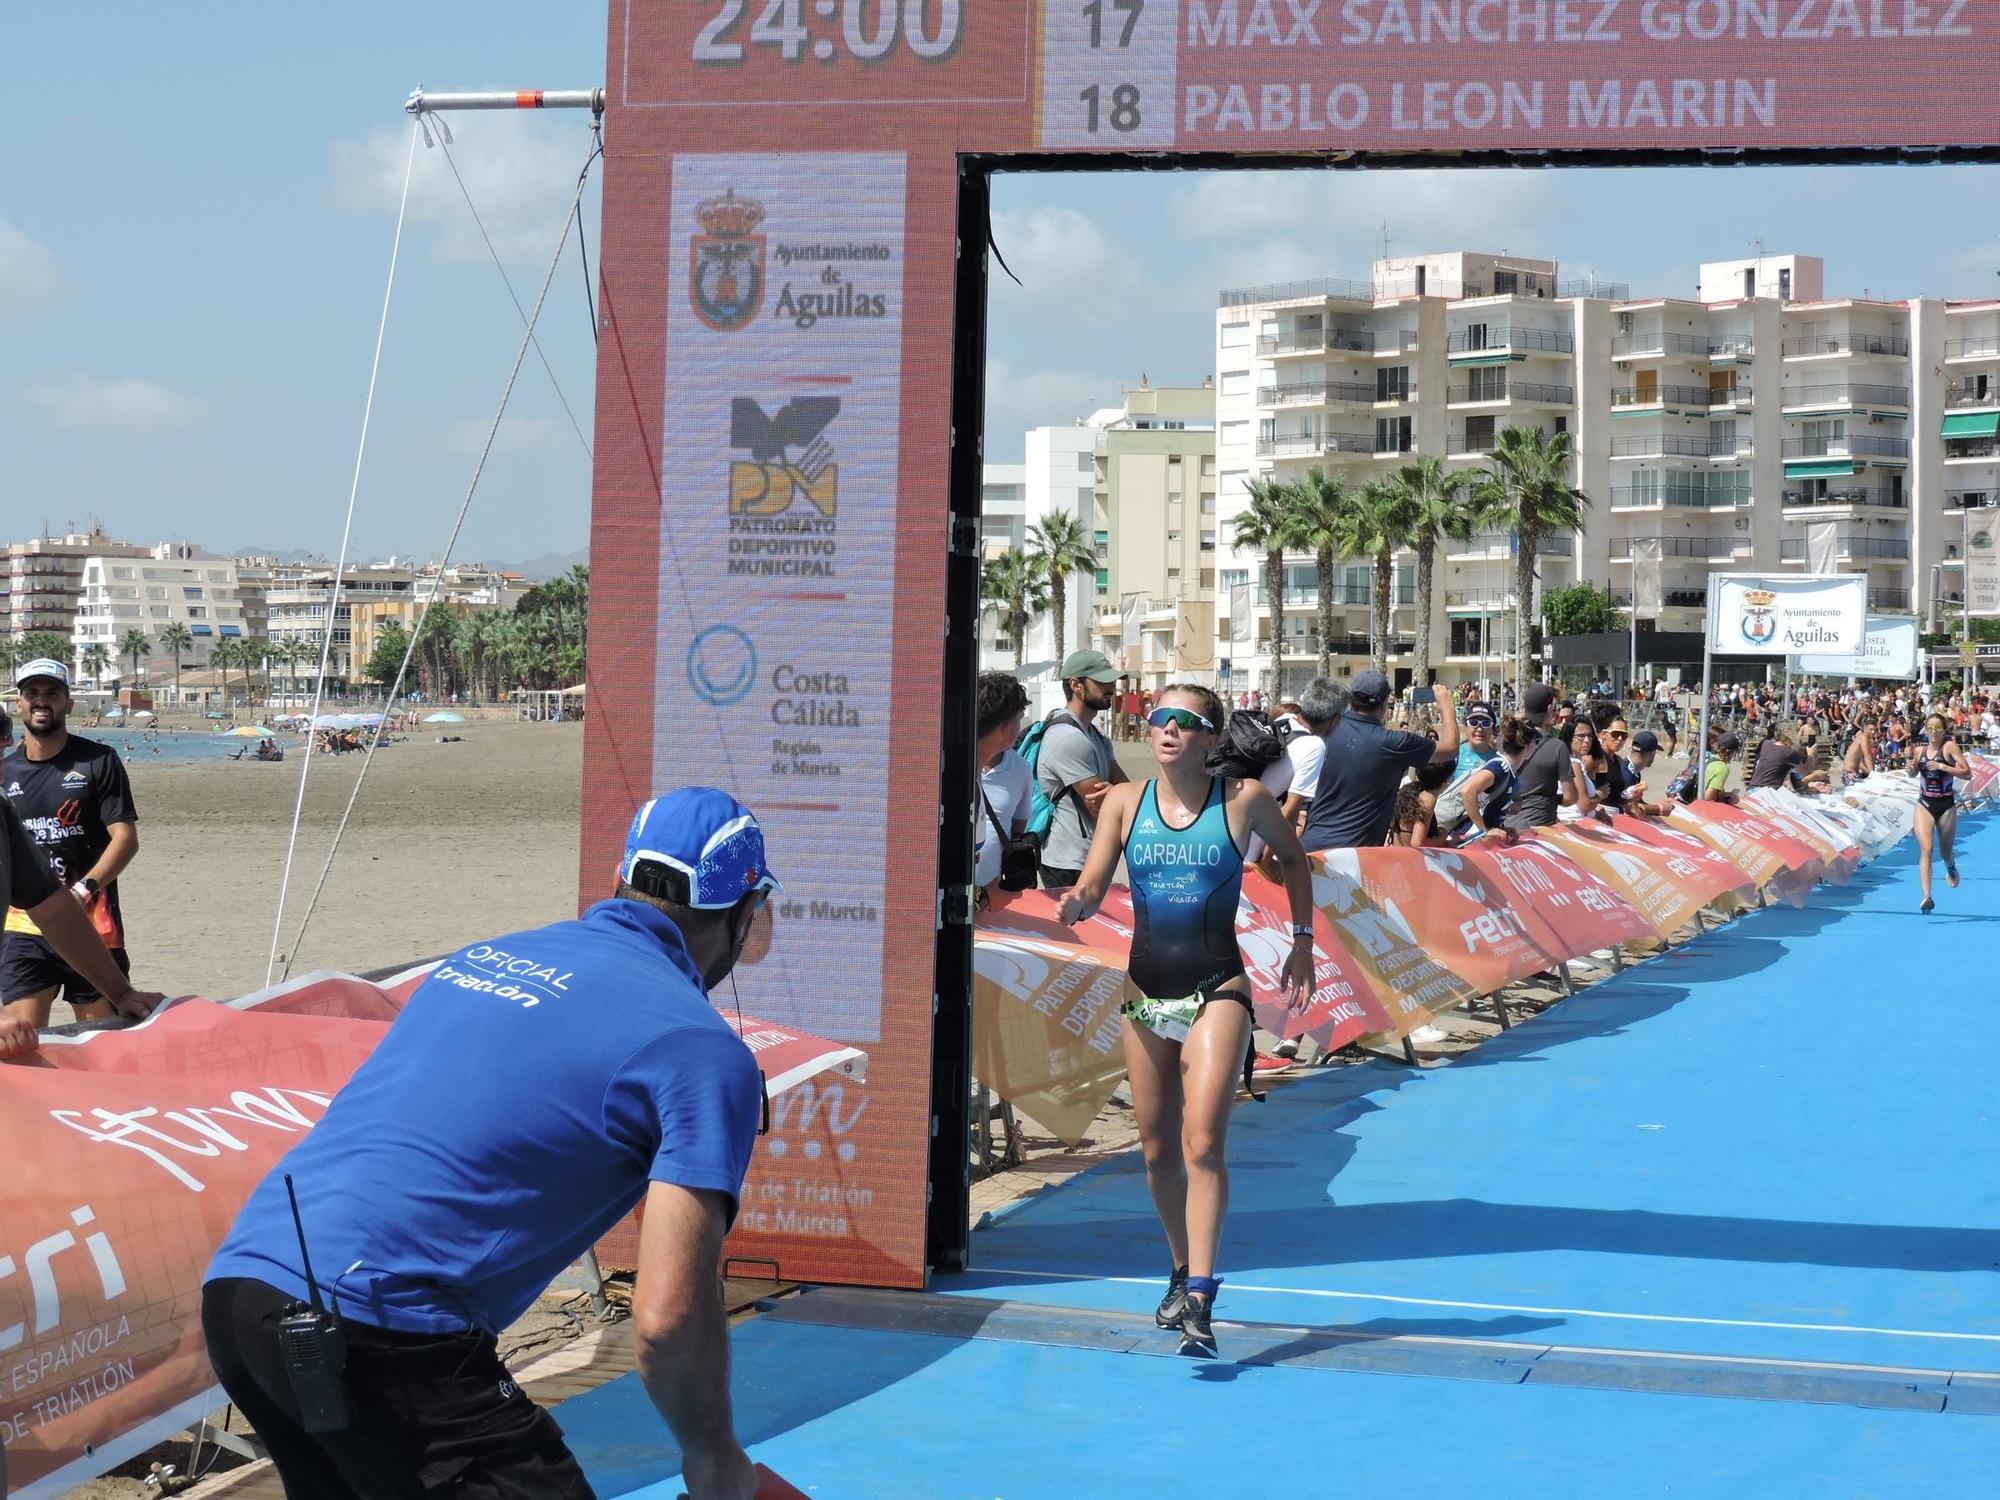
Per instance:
(1760,617)
(726,264)
(784,496)
(774,476)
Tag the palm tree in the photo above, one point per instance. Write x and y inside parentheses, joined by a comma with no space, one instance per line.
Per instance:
(1374,523)
(45,643)
(1438,506)
(1319,501)
(222,656)
(291,650)
(1061,546)
(96,661)
(1525,486)
(177,638)
(1263,525)
(1015,583)
(133,643)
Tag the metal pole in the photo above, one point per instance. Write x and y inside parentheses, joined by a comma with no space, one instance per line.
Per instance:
(420,103)
(1707,688)
(1633,676)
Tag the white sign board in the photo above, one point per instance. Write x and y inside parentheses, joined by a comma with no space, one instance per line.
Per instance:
(1889,651)
(1763,615)
(1982,564)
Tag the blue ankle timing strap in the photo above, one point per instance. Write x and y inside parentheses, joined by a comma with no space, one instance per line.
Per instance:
(1203,1286)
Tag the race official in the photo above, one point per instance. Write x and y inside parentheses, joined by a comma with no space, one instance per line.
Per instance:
(73,797)
(532,1091)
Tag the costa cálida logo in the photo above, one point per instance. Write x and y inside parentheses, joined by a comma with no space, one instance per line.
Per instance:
(1760,618)
(726,264)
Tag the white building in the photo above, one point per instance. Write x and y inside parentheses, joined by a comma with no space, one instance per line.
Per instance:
(176,584)
(299,596)
(1735,429)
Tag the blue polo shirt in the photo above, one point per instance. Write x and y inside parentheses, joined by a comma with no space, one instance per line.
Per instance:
(516,1110)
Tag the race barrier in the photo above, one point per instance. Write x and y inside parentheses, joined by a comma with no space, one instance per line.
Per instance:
(130,1152)
(1401,936)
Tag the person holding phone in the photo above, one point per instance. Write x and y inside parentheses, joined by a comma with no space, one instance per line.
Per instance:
(1182,835)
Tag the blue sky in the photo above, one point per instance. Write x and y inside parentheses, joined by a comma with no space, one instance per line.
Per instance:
(195,215)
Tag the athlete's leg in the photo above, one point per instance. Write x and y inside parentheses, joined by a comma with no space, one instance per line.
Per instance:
(1153,1065)
(1924,828)
(1211,1067)
(1947,833)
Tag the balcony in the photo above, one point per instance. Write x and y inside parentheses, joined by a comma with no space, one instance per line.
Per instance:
(1681,497)
(1852,445)
(1730,398)
(1460,443)
(1494,596)
(1664,395)
(1970,499)
(1896,599)
(1705,547)
(1669,598)
(1880,496)
(1590,288)
(1317,393)
(1344,595)
(1504,340)
(1303,341)
(1309,444)
(1971,395)
(1820,346)
(1295,291)
(1981,449)
(1514,390)
(1879,548)
(1488,543)
(1656,343)
(1845,397)
(1730,346)
(1985,347)
(1680,445)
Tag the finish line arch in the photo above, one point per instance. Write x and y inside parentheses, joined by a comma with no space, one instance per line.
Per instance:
(790,379)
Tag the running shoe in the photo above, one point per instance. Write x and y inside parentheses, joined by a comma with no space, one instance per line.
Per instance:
(1926,907)
(1951,874)
(1174,1304)
(1197,1338)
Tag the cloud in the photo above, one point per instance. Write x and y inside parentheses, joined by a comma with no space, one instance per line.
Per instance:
(86,404)
(1019,400)
(30,277)
(520,178)
(518,436)
(1071,272)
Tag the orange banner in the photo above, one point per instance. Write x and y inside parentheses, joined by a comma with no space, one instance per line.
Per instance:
(1411,985)
(1458,911)
(1666,887)
(1566,908)
(1756,843)
(129,1154)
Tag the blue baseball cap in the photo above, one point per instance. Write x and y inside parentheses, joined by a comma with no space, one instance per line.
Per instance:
(706,835)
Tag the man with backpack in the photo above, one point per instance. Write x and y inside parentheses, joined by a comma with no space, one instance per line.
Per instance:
(1074,767)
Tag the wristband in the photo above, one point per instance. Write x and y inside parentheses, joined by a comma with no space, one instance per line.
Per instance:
(1299,932)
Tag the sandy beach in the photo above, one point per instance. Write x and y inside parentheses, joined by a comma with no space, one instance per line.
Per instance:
(448,843)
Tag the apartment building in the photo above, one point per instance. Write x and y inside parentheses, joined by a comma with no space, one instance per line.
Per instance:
(300,599)
(1761,425)
(41,582)
(175,583)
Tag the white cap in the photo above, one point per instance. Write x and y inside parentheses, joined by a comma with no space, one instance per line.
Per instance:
(41,666)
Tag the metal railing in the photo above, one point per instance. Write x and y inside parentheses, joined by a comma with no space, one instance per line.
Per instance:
(1270,344)
(1854,343)
(1970,499)
(1876,495)
(1635,497)
(1884,548)
(1845,395)
(1971,448)
(1502,340)
(1496,597)
(1985,347)
(1460,441)
(1664,395)
(1485,543)
(1888,598)
(1850,445)
(1682,546)
(1724,397)
(1657,341)
(1678,445)
(1593,289)
(1316,393)
(1966,395)
(1732,346)
(1515,390)
(1297,444)
(1292,291)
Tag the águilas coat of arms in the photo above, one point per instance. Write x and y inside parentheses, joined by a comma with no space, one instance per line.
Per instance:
(1760,619)
(726,264)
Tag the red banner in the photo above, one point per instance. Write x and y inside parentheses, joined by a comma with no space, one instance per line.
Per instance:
(1665,885)
(129,1154)
(1411,984)
(1751,839)
(1568,910)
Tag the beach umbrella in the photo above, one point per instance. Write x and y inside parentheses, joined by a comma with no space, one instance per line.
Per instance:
(244,732)
(444,718)
(114,713)
(145,713)
(368,720)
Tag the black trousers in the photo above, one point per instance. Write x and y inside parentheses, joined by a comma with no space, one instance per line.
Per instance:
(428,1414)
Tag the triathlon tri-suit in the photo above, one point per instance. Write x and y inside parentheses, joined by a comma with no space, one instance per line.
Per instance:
(1934,787)
(1185,886)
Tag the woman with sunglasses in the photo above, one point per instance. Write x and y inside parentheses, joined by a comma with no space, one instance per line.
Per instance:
(1187,1028)
(1936,763)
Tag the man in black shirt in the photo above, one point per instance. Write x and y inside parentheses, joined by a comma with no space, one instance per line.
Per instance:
(1546,780)
(1364,765)
(75,801)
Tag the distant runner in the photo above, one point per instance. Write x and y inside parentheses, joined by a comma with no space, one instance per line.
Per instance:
(1935,764)
(1182,836)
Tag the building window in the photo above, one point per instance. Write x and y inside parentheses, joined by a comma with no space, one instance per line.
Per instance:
(1208,505)
(1208,579)
(1393,384)
(1232,577)
(1235,335)
(1208,541)
(1392,434)
(1103,579)
(1085,462)
(1235,383)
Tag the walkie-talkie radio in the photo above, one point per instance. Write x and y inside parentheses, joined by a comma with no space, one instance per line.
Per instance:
(314,1347)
